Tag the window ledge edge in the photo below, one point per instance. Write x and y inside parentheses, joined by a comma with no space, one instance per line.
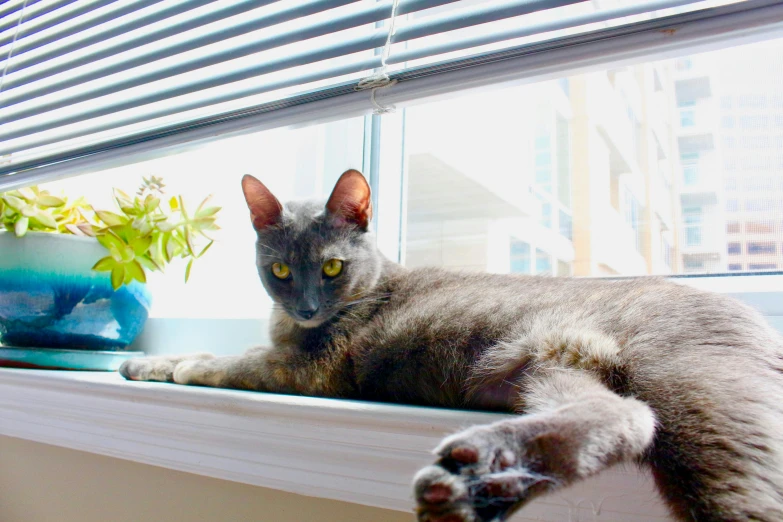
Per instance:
(358,452)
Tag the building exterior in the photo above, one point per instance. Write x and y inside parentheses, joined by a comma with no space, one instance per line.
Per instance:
(701,193)
(750,123)
(566,177)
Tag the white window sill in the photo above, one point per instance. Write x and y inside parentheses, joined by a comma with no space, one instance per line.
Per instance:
(351,451)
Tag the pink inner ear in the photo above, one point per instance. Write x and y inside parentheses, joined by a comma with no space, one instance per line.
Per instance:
(351,202)
(264,207)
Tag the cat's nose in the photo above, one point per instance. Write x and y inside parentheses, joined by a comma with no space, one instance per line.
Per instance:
(307,314)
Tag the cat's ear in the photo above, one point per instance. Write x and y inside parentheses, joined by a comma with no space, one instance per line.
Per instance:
(350,202)
(264,207)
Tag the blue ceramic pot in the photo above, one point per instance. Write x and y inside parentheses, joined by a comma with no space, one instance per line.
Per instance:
(51,298)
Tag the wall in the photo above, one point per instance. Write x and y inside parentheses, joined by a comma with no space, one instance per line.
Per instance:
(42,483)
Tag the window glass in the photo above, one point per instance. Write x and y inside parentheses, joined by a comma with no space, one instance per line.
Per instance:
(294,163)
(520,257)
(669,166)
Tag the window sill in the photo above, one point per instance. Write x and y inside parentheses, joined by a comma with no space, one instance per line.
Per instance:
(351,451)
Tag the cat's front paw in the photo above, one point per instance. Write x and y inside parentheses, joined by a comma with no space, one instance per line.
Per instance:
(483,474)
(159,369)
(200,373)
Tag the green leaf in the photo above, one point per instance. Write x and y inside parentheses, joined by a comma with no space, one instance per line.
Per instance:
(148,263)
(158,251)
(141,245)
(44,218)
(127,254)
(187,270)
(166,226)
(207,212)
(47,201)
(14,202)
(205,249)
(123,199)
(151,204)
(111,240)
(27,193)
(87,229)
(113,244)
(182,208)
(135,271)
(173,249)
(110,218)
(189,240)
(203,203)
(20,227)
(117,276)
(106,264)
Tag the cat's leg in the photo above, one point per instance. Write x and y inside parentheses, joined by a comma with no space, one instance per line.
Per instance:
(246,371)
(253,370)
(157,368)
(576,428)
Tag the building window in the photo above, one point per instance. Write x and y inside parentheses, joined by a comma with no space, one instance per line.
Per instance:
(732,205)
(762,266)
(760,227)
(687,118)
(730,184)
(733,227)
(761,247)
(543,262)
(632,213)
(520,257)
(735,266)
(690,168)
(566,225)
(546,215)
(692,218)
(666,252)
(759,204)
(734,248)
(693,265)
(759,183)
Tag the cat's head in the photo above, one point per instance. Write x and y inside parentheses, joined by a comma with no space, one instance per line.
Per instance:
(314,259)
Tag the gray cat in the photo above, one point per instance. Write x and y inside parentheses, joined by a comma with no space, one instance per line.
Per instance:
(684,382)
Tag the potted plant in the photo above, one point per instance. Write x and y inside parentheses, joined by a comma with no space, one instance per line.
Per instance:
(73,279)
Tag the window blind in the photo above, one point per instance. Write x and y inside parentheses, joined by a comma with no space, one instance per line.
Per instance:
(82,79)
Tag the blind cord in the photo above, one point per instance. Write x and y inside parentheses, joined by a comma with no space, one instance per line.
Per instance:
(380,79)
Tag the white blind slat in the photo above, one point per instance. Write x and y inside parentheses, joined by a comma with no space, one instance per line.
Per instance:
(13,8)
(91,31)
(60,103)
(342,48)
(28,13)
(28,29)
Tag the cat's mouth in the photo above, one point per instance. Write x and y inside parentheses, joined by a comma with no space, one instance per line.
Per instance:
(311,321)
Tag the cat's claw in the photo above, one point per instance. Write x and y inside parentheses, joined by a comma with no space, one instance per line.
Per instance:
(479,477)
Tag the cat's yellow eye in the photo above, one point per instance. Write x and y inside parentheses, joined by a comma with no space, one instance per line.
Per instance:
(281,271)
(333,267)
